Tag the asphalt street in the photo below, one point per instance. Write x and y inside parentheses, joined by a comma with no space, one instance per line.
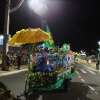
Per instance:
(85,86)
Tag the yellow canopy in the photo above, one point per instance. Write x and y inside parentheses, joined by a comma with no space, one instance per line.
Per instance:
(27,36)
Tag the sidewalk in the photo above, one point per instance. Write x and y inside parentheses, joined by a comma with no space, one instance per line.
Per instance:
(13,70)
(91,65)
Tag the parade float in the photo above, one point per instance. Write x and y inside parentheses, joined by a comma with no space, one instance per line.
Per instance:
(45,75)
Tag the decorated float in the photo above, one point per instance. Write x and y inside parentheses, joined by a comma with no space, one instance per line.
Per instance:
(46,70)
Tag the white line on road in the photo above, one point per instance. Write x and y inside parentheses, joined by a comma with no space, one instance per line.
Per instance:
(79,77)
(89,68)
(40,97)
(96,93)
(78,98)
(83,71)
(91,72)
(83,80)
(90,87)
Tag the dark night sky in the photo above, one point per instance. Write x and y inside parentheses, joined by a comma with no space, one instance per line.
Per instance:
(73,21)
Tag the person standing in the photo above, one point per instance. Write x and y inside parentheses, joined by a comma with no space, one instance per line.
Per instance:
(7,61)
(18,60)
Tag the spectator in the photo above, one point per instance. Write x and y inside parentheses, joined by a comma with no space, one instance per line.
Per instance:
(7,60)
(18,60)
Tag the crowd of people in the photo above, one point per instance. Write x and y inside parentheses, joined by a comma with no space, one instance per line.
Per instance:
(15,59)
(54,57)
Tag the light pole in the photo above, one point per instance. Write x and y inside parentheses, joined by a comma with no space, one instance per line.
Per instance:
(98,57)
(6,29)
(6,33)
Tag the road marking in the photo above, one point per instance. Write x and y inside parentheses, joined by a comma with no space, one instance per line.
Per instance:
(79,77)
(83,71)
(96,93)
(77,73)
(90,87)
(83,80)
(40,97)
(78,98)
(91,72)
(89,68)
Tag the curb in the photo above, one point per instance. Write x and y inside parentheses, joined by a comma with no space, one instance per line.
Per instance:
(91,68)
(13,72)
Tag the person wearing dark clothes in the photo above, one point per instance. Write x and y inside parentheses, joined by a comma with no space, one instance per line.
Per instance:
(18,59)
(7,59)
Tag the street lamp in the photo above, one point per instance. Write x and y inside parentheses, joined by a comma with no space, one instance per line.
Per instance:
(6,28)
(99,43)
(98,57)
(38,6)
(6,33)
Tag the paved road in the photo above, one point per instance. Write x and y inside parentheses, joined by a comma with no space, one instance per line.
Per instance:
(14,82)
(85,86)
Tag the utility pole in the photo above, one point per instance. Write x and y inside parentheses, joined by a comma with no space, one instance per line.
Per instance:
(6,28)
(6,32)
(98,57)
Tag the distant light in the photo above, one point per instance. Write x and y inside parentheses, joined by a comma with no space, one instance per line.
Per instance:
(99,49)
(1,39)
(98,42)
(38,6)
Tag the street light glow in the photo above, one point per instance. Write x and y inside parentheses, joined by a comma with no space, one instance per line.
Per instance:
(38,6)
(98,42)
(1,36)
